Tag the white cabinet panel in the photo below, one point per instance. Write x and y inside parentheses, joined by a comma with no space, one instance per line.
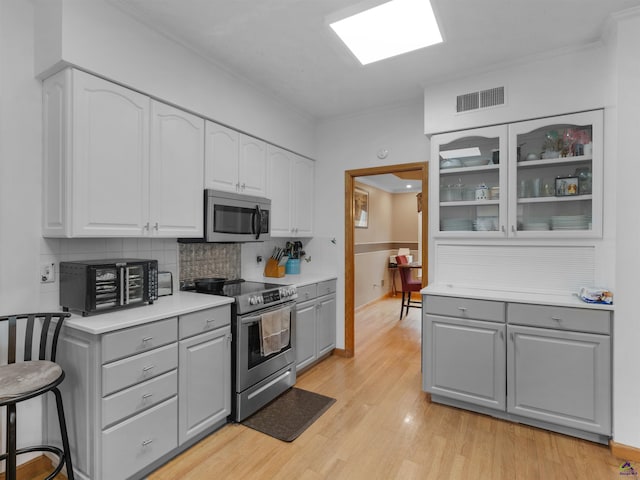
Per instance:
(303,196)
(221,157)
(305,334)
(177,165)
(252,166)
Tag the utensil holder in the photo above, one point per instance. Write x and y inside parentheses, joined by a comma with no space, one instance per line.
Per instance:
(292,266)
(272,269)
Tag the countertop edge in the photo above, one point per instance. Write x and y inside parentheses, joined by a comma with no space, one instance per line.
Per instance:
(180,303)
(514,297)
(297,280)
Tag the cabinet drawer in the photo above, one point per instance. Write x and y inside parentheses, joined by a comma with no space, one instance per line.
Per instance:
(135,443)
(204,320)
(325,288)
(138,398)
(136,369)
(559,318)
(140,339)
(307,292)
(465,308)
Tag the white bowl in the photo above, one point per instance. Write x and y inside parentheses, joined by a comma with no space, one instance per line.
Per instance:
(475,161)
(450,163)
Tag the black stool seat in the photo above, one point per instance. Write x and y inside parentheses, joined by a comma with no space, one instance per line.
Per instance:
(25,378)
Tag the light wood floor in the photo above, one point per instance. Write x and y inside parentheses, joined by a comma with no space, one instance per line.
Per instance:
(384,427)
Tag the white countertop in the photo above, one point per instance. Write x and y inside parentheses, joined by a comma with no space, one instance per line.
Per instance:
(297,280)
(179,303)
(516,297)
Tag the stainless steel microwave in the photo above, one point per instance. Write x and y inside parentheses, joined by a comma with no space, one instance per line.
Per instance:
(234,217)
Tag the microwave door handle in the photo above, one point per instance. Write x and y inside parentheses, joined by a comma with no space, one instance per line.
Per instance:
(121,286)
(258,216)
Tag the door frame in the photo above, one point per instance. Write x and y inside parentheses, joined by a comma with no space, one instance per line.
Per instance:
(349,256)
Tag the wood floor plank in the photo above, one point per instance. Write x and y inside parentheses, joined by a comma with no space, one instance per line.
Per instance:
(384,427)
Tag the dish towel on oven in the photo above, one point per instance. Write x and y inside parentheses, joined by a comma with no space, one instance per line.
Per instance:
(274,331)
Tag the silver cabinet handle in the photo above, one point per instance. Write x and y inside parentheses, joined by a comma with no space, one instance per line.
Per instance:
(146,227)
(504,230)
(511,336)
(148,367)
(557,319)
(513,228)
(462,309)
(156,226)
(147,395)
(147,442)
(147,339)
(243,186)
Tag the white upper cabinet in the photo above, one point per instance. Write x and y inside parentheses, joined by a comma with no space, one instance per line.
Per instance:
(291,189)
(177,167)
(98,179)
(530,179)
(234,162)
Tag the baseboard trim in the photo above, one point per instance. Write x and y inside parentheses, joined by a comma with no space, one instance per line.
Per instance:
(34,468)
(624,452)
(340,352)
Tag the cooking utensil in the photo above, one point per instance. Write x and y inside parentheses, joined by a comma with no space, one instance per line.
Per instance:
(210,285)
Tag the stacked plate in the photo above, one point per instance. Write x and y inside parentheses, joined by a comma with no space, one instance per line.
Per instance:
(570,222)
(456,225)
(486,224)
(533,226)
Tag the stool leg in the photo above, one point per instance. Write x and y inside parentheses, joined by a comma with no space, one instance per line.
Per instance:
(11,442)
(63,433)
(401,305)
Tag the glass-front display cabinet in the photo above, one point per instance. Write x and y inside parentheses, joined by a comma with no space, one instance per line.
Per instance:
(555,176)
(530,179)
(469,182)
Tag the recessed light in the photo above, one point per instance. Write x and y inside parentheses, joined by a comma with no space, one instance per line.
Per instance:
(408,186)
(390,29)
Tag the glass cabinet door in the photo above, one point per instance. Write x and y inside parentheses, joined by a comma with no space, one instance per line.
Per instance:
(555,176)
(469,183)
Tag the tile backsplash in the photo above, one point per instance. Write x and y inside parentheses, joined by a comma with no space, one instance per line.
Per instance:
(56,250)
(203,260)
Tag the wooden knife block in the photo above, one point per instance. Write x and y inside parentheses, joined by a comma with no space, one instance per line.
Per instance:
(272,269)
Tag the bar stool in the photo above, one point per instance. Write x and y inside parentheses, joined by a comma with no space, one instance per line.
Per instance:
(24,379)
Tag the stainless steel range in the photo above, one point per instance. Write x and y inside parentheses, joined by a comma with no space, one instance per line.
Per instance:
(262,369)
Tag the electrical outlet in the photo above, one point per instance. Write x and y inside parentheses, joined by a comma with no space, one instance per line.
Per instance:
(48,273)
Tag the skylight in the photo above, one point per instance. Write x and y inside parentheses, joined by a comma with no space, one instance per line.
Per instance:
(390,29)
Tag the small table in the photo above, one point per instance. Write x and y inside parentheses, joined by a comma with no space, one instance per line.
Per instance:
(394,267)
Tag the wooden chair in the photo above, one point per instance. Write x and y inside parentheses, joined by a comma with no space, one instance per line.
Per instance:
(25,378)
(409,285)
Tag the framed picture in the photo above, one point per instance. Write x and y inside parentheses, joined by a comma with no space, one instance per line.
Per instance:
(566,186)
(361,208)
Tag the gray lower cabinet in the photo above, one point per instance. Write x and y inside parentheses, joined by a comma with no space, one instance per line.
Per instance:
(205,382)
(315,322)
(538,364)
(467,360)
(138,396)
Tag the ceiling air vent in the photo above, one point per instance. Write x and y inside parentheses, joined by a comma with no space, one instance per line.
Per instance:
(482,99)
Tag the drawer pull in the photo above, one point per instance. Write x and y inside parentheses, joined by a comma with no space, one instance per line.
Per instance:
(148,367)
(147,339)
(147,442)
(211,320)
(462,309)
(557,319)
(147,395)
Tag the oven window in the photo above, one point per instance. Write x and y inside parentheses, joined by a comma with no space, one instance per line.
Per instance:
(255,356)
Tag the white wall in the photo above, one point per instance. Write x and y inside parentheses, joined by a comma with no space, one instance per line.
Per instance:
(20,163)
(625,113)
(101,39)
(349,143)
(537,87)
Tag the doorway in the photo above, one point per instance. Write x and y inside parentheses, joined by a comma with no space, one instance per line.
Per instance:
(349,276)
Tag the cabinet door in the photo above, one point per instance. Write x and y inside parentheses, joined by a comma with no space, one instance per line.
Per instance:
(305,334)
(221,158)
(467,187)
(555,177)
(326,325)
(303,196)
(465,360)
(252,166)
(204,382)
(280,180)
(560,377)
(176,172)
(110,178)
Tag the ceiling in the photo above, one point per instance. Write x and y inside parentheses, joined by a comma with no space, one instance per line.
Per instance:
(285,47)
(392,183)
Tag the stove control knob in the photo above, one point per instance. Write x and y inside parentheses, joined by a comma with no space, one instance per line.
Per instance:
(253,300)
(260,299)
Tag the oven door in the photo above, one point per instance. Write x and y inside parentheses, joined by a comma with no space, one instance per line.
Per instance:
(251,365)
